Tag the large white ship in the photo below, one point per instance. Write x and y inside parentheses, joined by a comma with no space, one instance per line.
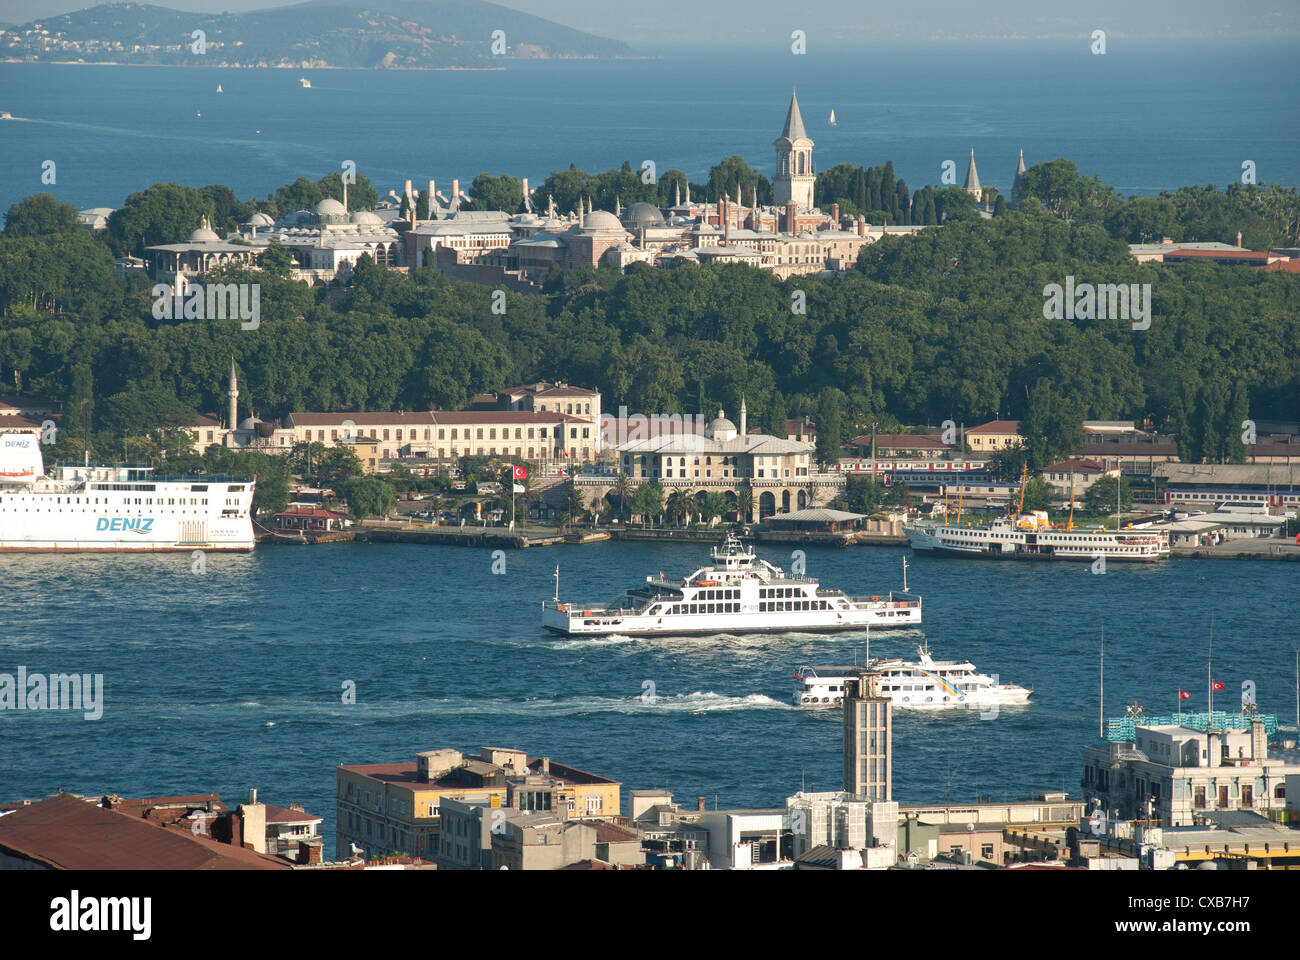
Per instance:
(95,508)
(920,684)
(737,593)
(1031,537)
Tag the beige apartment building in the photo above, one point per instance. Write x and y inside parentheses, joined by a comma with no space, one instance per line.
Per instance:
(994,435)
(391,808)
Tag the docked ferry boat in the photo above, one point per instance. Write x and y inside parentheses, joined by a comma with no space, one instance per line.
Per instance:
(1031,537)
(921,684)
(736,593)
(96,508)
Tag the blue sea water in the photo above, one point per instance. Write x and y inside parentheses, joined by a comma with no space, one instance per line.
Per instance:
(1143,117)
(234,679)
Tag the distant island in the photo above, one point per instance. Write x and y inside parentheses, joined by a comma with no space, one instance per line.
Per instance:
(368,34)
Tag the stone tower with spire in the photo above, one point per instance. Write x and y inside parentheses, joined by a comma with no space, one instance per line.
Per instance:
(794,178)
(1017,180)
(973,179)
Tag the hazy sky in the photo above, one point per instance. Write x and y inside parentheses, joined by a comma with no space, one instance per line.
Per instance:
(662,25)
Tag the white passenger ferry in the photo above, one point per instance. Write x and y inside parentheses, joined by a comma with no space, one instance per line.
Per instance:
(921,684)
(1031,537)
(94,508)
(737,593)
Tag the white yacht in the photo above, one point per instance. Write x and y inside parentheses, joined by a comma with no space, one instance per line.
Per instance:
(110,509)
(306,84)
(1031,537)
(736,593)
(921,684)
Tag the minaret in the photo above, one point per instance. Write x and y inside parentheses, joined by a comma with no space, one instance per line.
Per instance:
(1017,180)
(582,207)
(618,207)
(234,397)
(794,167)
(677,195)
(973,179)
(743,417)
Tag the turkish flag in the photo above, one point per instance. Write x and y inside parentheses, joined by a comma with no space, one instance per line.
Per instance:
(1184,695)
(521,473)
(1217,685)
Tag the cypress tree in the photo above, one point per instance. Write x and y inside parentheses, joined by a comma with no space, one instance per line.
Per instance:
(860,190)
(902,201)
(873,190)
(888,195)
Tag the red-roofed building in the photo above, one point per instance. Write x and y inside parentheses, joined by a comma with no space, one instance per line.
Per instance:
(68,832)
(16,424)
(927,445)
(994,435)
(306,516)
(1230,258)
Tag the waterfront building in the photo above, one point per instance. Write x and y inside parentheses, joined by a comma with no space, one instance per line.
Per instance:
(816,520)
(1210,485)
(724,458)
(1177,770)
(15,424)
(396,807)
(309,517)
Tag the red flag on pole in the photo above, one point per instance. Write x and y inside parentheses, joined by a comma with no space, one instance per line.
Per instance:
(521,473)
(1217,685)
(1184,695)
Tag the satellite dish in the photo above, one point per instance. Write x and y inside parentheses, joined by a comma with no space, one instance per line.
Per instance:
(970,826)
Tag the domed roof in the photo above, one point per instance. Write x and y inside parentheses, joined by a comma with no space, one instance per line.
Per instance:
(367,218)
(260,219)
(602,221)
(721,428)
(204,234)
(330,209)
(249,423)
(643,214)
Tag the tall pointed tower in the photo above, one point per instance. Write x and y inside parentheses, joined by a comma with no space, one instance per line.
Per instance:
(973,179)
(1018,179)
(794,166)
(234,397)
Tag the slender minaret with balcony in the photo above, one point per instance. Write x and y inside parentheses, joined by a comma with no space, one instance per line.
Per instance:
(234,397)
(794,166)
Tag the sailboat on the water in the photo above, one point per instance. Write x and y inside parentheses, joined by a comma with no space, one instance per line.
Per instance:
(832,119)
(219,90)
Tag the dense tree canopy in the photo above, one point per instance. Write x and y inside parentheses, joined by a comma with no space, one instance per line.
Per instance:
(947,325)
